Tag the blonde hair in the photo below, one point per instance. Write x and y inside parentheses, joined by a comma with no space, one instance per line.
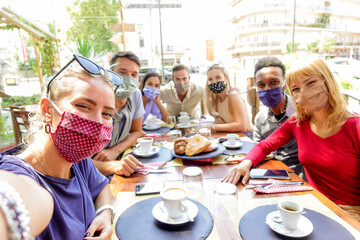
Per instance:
(210,97)
(318,67)
(60,87)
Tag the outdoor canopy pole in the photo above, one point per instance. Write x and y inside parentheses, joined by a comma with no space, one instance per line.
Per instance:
(293,28)
(161,43)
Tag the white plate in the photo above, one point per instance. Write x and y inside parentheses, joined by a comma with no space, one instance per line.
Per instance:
(152,128)
(305,227)
(153,151)
(160,214)
(228,145)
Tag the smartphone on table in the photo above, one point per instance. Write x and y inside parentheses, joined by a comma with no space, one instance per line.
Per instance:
(269,173)
(148,188)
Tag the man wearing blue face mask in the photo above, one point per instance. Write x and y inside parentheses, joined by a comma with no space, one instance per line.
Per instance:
(270,79)
(127,121)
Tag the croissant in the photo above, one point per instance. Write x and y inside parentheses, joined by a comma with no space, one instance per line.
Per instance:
(180,145)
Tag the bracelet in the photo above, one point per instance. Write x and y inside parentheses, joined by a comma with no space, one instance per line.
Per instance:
(213,127)
(13,207)
(107,207)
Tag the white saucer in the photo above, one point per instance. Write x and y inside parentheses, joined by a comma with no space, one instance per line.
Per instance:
(153,151)
(305,227)
(237,144)
(150,128)
(160,214)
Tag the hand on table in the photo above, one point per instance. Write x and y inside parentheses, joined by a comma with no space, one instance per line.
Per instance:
(100,228)
(105,155)
(127,165)
(241,170)
(219,120)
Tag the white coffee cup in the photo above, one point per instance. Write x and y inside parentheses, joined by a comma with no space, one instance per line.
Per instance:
(184,120)
(145,144)
(290,212)
(174,201)
(151,122)
(232,138)
(184,114)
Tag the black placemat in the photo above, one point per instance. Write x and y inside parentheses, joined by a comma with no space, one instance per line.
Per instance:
(163,155)
(212,154)
(160,130)
(137,222)
(252,226)
(244,149)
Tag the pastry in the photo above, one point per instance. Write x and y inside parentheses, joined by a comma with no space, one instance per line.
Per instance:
(211,148)
(196,144)
(179,145)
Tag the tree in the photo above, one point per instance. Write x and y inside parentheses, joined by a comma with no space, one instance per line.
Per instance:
(91,19)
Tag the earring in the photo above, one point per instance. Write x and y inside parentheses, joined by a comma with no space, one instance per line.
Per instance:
(47,128)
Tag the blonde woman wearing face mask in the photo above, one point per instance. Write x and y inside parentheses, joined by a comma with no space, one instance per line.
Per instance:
(327,136)
(225,104)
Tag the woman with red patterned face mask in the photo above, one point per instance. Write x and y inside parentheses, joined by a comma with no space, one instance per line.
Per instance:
(74,122)
(327,136)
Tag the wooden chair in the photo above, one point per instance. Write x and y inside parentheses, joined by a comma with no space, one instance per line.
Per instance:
(20,121)
(252,98)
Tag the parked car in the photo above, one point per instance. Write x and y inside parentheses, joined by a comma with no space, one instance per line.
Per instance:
(345,68)
(144,70)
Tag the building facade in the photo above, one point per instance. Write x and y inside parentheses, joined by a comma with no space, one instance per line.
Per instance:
(261,27)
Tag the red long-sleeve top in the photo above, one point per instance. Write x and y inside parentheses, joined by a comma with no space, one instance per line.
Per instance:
(332,164)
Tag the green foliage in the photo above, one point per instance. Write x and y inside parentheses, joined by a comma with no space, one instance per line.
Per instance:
(85,47)
(20,100)
(296,47)
(325,18)
(316,25)
(313,46)
(6,132)
(91,19)
(47,51)
(346,85)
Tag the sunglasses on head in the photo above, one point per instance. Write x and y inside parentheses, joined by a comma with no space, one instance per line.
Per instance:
(90,67)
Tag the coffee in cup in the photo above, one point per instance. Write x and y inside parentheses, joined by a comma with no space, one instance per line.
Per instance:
(290,213)
(174,201)
(232,138)
(145,144)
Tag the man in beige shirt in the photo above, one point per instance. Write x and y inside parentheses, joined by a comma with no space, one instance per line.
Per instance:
(182,95)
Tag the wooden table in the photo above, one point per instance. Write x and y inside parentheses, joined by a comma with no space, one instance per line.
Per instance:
(214,173)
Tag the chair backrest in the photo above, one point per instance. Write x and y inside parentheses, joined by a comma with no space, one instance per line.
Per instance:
(252,98)
(20,121)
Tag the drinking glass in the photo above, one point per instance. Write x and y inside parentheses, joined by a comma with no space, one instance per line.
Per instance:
(173,135)
(225,202)
(193,182)
(171,121)
(205,132)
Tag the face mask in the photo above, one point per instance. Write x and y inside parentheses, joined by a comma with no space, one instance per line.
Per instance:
(127,87)
(271,97)
(312,99)
(217,87)
(181,87)
(77,138)
(151,93)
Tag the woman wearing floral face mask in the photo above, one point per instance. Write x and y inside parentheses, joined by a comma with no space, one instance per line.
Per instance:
(74,122)
(225,104)
(150,88)
(327,136)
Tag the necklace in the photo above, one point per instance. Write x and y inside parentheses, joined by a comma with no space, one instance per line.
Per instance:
(39,162)
(317,123)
